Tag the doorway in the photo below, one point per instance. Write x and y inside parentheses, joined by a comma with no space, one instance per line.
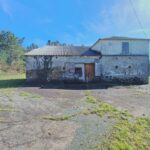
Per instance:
(89,72)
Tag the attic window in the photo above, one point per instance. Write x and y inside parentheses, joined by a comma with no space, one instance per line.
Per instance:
(125,48)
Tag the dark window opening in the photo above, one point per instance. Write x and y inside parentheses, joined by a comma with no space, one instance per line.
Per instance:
(78,71)
(129,67)
(125,48)
(116,67)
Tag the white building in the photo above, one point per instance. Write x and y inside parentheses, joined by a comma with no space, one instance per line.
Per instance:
(110,59)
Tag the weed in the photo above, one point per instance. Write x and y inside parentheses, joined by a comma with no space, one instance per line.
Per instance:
(90,98)
(25,94)
(103,108)
(7,109)
(7,91)
(128,135)
(29,95)
(59,118)
(2,120)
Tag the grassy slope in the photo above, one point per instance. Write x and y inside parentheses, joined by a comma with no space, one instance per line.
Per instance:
(10,80)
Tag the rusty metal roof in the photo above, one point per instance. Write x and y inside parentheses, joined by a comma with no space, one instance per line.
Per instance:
(62,51)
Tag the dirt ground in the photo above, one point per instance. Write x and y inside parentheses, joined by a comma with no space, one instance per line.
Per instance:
(22,112)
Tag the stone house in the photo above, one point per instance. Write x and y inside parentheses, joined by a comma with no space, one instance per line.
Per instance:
(109,59)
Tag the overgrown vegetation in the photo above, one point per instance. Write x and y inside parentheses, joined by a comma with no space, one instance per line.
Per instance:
(89,97)
(11,52)
(129,133)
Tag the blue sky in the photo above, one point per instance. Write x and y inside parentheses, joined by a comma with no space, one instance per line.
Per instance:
(73,21)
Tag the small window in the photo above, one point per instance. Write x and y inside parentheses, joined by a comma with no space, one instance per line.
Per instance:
(116,67)
(129,67)
(78,71)
(125,48)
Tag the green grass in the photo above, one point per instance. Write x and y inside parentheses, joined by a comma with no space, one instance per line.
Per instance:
(90,98)
(24,94)
(128,135)
(9,76)
(2,120)
(8,83)
(6,109)
(58,118)
(29,96)
(11,80)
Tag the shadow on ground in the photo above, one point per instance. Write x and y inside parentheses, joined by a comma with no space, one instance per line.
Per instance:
(72,86)
(14,83)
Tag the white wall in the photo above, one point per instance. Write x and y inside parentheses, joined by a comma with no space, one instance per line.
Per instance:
(67,62)
(127,67)
(31,63)
(114,47)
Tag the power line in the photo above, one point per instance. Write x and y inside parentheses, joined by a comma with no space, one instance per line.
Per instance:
(138,19)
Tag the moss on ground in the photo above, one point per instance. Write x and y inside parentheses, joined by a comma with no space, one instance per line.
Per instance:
(6,109)
(29,95)
(128,133)
(90,98)
(59,118)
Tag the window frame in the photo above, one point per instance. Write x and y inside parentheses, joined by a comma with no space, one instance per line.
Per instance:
(78,71)
(125,48)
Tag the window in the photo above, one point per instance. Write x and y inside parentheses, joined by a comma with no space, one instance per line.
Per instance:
(125,48)
(78,71)
(129,67)
(116,67)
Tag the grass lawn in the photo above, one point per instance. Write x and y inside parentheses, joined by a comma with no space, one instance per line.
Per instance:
(8,80)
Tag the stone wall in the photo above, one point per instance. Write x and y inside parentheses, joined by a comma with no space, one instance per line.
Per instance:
(63,68)
(124,68)
(108,68)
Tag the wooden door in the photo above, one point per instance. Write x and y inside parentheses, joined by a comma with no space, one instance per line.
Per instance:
(89,72)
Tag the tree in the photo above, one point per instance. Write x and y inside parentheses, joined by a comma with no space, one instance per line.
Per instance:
(11,50)
(48,42)
(45,69)
(55,43)
(31,47)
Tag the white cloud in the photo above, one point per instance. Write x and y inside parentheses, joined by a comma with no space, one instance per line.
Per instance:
(5,6)
(120,18)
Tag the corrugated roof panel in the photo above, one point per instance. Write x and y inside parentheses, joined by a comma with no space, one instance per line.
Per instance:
(62,51)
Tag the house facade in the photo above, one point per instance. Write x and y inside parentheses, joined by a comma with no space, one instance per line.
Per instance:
(110,59)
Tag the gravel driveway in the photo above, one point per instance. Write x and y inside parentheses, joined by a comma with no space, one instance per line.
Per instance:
(22,110)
